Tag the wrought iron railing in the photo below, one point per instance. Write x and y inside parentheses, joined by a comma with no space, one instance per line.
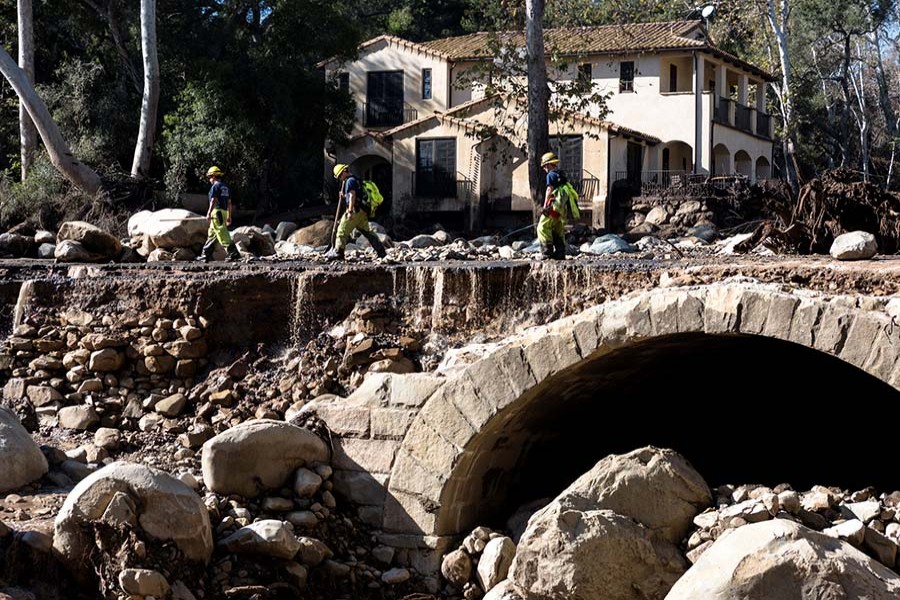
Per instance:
(723,111)
(381,114)
(743,117)
(763,125)
(427,184)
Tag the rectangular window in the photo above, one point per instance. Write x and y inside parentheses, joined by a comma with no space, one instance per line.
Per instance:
(673,78)
(384,99)
(436,168)
(344,82)
(426,84)
(626,76)
(568,148)
(585,74)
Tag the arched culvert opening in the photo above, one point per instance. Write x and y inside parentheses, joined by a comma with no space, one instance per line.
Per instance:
(742,409)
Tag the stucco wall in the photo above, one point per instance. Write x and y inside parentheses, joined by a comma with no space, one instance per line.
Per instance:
(387,56)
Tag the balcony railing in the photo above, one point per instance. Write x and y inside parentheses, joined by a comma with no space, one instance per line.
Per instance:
(763,125)
(438,185)
(723,111)
(652,182)
(383,114)
(743,118)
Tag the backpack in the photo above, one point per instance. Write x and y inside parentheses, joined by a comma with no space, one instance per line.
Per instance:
(568,197)
(373,196)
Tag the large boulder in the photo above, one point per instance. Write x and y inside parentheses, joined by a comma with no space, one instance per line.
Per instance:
(495,561)
(94,239)
(656,487)
(317,234)
(568,554)
(15,244)
(254,240)
(169,228)
(21,458)
(72,251)
(259,455)
(856,245)
(782,560)
(163,507)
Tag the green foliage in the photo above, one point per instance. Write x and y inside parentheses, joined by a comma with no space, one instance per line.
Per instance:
(42,199)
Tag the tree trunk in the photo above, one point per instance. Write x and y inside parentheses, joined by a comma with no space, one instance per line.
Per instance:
(538,98)
(844,131)
(778,23)
(27,131)
(143,151)
(884,94)
(79,174)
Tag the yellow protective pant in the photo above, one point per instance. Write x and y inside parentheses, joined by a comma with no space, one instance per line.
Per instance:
(548,228)
(218,228)
(359,220)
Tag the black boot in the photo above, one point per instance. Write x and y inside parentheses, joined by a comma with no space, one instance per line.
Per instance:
(559,247)
(206,254)
(377,246)
(546,250)
(335,254)
(233,253)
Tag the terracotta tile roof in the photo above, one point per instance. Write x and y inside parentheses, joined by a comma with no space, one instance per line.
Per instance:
(582,41)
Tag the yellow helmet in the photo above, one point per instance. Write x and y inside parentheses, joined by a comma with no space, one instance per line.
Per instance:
(549,159)
(340,168)
(214,171)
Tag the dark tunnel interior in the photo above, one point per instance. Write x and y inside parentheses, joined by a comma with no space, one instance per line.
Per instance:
(741,409)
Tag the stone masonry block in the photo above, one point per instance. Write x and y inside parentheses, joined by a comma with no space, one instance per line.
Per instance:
(375,390)
(638,319)
(864,335)
(408,513)
(461,392)
(491,381)
(690,312)
(804,322)
(346,420)
(551,354)
(884,355)
(613,327)
(391,422)
(360,487)
(664,312)
(834,324)
(414,389)
(781,314)
(433,451)
(375,456)
(587,332)
(722,312)
(754,311)
(411,477)
(447,420)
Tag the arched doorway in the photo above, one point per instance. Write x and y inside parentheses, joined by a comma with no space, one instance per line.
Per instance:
(376,168)
(721,160)
(743,164)
(763,169)
(677,157)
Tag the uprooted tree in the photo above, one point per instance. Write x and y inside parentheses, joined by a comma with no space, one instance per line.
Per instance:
(61,156)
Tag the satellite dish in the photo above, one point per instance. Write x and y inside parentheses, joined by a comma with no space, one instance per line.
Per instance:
(707,11)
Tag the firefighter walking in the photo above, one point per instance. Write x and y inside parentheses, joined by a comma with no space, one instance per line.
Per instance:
(219,216)
(356,215)
(560,202)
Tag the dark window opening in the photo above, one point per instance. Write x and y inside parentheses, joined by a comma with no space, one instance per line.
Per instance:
(568,149)
(436,168)
(673,78)
(585,75)
(626,76)
(344,82)
(426,84)
(384,99)
(665,159)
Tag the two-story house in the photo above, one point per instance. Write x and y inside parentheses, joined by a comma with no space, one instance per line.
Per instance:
(676,105)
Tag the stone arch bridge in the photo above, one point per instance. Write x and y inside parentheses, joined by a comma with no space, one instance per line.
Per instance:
(426,457)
